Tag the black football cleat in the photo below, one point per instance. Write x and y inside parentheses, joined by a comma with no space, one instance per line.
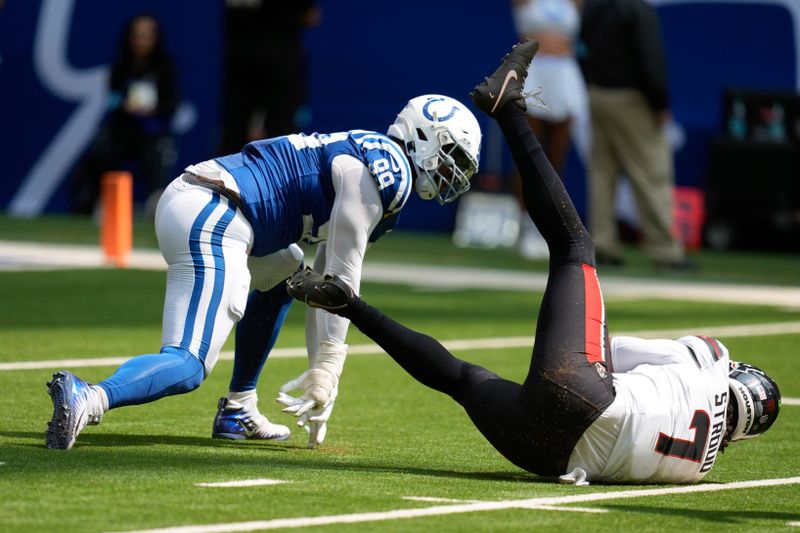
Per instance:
(505,84)
(325,292)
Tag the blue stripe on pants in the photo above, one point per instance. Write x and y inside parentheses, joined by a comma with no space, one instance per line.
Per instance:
(219,280)
(199,271)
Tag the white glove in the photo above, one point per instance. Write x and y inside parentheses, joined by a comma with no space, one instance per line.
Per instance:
(313,408)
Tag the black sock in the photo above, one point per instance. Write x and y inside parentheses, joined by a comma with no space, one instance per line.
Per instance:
(543,192)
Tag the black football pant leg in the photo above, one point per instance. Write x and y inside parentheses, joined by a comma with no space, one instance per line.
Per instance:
(569,383)
(495,405)
(534,425)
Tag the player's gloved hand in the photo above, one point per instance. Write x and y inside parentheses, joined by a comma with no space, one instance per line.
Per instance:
(325,292)
(314,407)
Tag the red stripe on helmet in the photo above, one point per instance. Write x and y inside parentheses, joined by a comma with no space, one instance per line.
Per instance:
(713,346)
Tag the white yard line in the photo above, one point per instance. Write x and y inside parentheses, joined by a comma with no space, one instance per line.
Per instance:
(431,499)
(21,256)
(242,483)
(595,510)
(744,330)
(30,256)
(613,287)
(65,363)
(460,508)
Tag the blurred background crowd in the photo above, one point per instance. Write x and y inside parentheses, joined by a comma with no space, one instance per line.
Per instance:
(675,124)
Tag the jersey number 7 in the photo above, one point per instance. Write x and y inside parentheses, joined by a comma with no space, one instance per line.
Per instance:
(691,450)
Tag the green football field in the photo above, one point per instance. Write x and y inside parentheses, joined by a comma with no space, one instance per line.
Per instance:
(397,456)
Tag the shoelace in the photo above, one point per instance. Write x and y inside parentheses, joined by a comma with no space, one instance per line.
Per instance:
(534,97)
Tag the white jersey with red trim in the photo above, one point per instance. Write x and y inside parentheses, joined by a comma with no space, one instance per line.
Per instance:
(668,418)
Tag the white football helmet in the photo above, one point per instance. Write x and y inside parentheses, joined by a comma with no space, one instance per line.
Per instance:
(443,141)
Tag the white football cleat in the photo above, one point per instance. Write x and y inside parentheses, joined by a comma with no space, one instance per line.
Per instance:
(75,404)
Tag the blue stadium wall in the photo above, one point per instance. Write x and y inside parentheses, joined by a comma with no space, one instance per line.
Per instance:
(53,56)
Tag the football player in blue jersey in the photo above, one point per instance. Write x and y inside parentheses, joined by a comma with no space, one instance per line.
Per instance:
(228,229)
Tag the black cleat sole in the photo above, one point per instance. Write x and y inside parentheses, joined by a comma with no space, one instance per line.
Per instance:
(55,436)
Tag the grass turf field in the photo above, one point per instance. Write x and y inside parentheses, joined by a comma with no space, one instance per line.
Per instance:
(389,437)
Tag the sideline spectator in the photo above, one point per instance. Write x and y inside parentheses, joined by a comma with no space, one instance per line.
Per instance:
(144,95)
(625,68)
(555,25)
(265,69)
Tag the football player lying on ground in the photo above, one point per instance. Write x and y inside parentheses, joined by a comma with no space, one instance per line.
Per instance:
(228,229)
(642,411)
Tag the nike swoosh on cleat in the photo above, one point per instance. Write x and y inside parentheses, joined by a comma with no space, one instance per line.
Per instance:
(511,74)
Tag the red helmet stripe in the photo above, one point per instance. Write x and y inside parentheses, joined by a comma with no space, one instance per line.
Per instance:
(713,346)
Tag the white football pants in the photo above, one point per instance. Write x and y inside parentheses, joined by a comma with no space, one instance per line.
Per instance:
(205,241)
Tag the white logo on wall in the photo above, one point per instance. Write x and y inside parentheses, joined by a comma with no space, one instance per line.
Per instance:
(86,87)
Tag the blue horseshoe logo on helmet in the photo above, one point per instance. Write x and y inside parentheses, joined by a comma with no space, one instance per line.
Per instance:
(429,116)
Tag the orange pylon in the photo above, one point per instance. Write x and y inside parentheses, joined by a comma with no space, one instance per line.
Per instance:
(116,232)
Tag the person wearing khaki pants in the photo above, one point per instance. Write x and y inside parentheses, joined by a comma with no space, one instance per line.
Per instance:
(628,137)
(623,60)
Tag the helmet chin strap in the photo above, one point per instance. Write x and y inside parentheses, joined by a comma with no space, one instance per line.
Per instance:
(425,187)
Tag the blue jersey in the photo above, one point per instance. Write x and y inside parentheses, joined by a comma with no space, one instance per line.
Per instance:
(286,188)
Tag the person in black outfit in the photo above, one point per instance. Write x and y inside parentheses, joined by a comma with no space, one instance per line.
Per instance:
(143,97)
(570,412)
(624,49)
(625,66)
(265,69)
